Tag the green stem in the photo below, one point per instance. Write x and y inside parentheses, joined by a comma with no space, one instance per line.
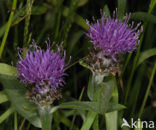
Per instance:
(15,121)
(126,63)
(8,27)
(46,117)
(27,22)
(148,90)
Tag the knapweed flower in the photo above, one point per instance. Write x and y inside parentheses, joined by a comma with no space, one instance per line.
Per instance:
(111,37)
(114,36)
(42,71)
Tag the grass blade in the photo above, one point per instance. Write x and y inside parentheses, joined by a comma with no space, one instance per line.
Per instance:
(148,90)
(6,114)
(8,27)
(121,7)
(89,121)
(145,55)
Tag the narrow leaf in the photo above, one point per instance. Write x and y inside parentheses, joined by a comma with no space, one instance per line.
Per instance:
(145,55)
(106,10)
(115,107)
(121,7)
(38,10)
(143,16)
(89,121)
(6,114)
(84,105)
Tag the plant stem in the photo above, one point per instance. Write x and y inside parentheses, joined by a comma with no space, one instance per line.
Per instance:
(148,90)
(15,121)
(8,27)
(27,22)
(46,117)
(22,124)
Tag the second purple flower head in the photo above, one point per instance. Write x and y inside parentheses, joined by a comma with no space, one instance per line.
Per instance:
(114,36)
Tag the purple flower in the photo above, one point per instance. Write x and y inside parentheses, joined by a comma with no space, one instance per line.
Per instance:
(113,36)
(42,68)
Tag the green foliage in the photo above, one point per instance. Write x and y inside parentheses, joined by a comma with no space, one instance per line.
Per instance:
(16,94)
(46,117)
(143,16)
(3,97)
(7,70)
(145,55)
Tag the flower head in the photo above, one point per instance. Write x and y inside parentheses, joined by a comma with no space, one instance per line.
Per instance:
(113,36)
(42,69)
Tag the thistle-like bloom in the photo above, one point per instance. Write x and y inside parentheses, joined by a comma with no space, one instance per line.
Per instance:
(43,71)
(113,36)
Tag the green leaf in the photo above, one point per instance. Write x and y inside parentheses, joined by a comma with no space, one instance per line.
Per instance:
(121,7)
(17,94)
(6,114)
(90,89)
(99,91)
(103,93)
(111,120)
(96,123)
(84,105)
(111,117)
(3,97)
(46,117)
(151,6)
(106,10)
(7,69)
(145,55)
(94,81)
(115,107)
(38,10)
(89,121)
(93,106)
(146,17)
(77,19)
